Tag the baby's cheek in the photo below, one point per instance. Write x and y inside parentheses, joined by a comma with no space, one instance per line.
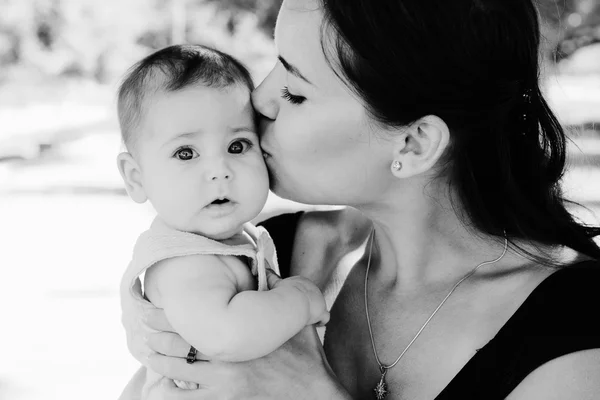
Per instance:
(176,207)
(257,189)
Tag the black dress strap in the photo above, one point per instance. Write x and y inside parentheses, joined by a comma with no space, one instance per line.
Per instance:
(555,320)
(282,229)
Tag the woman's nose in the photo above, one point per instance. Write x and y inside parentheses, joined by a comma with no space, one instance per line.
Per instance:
(265,99)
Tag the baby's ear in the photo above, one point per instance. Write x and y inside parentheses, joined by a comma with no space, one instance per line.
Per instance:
(132,176)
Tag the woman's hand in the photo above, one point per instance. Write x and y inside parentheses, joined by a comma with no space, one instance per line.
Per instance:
(134,320)
(297,370)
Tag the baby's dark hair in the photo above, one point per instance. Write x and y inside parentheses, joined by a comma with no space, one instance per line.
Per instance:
(171,69)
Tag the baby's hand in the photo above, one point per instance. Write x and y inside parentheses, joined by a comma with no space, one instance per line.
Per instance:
(318,313)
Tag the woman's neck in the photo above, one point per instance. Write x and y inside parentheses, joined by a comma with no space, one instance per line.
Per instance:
(422,243)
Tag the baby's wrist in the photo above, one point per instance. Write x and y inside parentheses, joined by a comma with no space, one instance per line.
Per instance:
(306,293)
(315,302)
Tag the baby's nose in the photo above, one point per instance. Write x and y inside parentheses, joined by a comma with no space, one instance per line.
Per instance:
(220,176)
(220,171)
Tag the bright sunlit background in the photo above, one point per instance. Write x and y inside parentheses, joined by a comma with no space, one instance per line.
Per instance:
(67,227)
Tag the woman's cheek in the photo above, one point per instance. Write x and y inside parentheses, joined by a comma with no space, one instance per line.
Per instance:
(289,132)
(310,128)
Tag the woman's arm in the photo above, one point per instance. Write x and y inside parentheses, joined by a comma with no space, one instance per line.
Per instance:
(200,299)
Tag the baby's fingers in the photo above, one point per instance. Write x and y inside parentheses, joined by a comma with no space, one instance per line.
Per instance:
(272,278)
(324,319)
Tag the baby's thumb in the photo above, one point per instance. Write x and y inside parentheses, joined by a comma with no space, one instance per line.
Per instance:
(272,278)
(324,319)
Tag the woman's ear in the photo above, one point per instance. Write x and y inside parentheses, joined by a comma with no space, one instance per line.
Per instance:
(132,176)
(420,146)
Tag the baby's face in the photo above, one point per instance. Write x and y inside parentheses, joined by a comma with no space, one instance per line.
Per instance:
(201,163)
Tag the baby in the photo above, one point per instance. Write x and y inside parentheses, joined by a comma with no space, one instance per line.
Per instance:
(189,127)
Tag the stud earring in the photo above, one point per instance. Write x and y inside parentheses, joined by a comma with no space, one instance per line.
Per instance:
(396,165)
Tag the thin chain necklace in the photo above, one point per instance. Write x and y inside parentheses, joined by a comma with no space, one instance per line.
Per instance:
(381,390)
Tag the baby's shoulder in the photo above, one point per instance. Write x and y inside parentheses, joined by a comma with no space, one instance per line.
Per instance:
(189,266)
(186,271)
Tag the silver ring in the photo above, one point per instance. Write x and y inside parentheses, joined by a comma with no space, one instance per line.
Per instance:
(191,356)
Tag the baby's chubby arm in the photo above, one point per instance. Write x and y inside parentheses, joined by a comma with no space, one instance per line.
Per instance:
(199,296)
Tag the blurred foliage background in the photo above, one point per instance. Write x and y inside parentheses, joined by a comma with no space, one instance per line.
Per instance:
(72,53)
(96,40)
(67,227)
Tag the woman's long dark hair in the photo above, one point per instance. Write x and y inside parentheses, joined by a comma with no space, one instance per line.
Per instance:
(475,64)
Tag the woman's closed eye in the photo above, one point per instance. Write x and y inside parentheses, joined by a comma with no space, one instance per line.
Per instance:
(292,98)
(240,146)
(185,153)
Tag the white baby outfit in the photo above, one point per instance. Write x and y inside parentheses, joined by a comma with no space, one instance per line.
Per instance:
(161,242)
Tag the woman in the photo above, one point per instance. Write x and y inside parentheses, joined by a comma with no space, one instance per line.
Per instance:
(474,281)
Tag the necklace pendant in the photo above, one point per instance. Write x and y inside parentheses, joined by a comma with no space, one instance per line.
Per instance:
(381,389)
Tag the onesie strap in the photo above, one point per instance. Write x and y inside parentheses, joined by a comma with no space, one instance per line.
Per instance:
(265,252)
(161,242)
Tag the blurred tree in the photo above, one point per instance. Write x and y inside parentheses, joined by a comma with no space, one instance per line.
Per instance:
(99,39)
(265,10)
(555,12)
(569,25)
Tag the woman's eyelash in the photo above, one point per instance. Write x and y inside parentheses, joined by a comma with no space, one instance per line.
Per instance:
(285,94)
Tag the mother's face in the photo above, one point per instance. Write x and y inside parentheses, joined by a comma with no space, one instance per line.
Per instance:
(320,147)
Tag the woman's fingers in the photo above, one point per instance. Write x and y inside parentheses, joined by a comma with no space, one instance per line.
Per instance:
(165,389)
(156,319)
(292,368)
(177,368)
(171,344)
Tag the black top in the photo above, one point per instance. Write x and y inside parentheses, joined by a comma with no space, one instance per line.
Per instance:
(559,317)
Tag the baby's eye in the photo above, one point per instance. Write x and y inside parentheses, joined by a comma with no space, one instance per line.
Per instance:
(239,146)
(185,154)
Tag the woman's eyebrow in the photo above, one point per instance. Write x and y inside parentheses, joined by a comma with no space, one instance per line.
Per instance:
(293,70)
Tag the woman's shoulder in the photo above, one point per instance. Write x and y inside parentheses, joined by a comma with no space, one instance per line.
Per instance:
(579,281)
(312,240)
(324,238)
(572,284)
(550,331)
(560,327)
(342,229)
(562,304)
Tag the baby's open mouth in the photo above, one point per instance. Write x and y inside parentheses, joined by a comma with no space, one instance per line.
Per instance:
(220,207)
(219,202)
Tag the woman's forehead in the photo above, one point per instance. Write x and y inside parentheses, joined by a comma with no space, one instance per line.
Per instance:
(298,38)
